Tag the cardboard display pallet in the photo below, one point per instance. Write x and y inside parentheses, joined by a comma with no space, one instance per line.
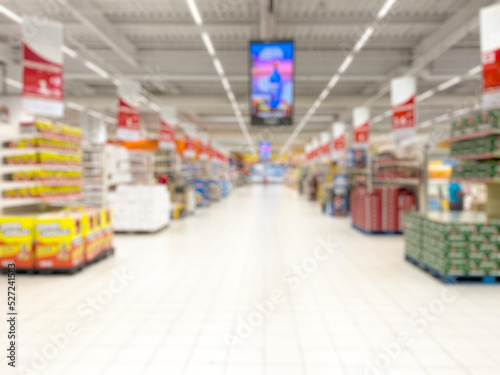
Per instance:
(451,279)
(63,271)
(374,232)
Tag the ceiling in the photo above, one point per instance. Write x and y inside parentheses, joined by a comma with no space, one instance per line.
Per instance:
(158,43)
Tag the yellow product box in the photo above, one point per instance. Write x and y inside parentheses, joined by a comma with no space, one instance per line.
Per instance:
(91,231)
(16,241)
(58,241)
(107,229)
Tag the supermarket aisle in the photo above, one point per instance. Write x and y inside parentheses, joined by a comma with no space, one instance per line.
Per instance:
(352,306)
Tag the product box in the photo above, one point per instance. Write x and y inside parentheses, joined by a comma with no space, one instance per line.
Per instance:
(469,124)
(494,118)
(58,241)
(16,242)
(482,121)
(107,229)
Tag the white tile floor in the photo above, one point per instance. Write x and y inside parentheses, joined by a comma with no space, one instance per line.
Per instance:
(359,310)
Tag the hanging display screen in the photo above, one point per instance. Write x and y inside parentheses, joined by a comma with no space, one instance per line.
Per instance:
(265,149)
(271,82)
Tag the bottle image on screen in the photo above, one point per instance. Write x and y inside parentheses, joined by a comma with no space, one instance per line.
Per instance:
(274,88)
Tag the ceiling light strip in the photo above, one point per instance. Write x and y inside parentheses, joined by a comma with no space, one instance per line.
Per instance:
(343,67)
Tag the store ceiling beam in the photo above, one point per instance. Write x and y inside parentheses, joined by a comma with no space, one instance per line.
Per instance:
(88,13)
(203,103)
(454,29)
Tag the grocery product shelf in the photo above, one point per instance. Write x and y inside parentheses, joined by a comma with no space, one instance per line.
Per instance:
(15,151)
(482,133)
(397,163)
(5,185)
(485,156)
(397,181)
(12,168)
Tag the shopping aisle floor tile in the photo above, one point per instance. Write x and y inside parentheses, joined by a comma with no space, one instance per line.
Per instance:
(260,283)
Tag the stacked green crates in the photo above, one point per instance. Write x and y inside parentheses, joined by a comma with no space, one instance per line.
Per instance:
(413,235)
(464,244)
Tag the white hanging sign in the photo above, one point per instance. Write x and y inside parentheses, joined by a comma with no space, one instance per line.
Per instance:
(490,55)
(403,94)
(361,127)
(42,67)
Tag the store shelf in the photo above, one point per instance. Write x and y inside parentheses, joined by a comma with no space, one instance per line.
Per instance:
(6,185)
(358,171)
(478,180)
(397,163)
(482,133)
(488,155)
(12,168)
(19,202)
(14,151)
(397,181)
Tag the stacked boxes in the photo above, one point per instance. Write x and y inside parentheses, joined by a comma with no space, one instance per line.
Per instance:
(456,245)
(59,241)
(382,210)
(413,235)
(16,242)
(481,121)
(479,169)
(474,146)
(62,240)
(390,208)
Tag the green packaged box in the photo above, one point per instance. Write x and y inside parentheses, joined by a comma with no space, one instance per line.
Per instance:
(469,125)
(482,121)
(494,118)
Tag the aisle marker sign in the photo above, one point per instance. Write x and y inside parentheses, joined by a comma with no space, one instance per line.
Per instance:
(203,147)
(338,137)
(403,94)
(166,137)
(42,67)
(315,148)
(361,127)
(326,140)
(128,122)
(490,51)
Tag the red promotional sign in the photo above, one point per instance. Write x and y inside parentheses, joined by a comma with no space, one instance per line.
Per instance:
(490,50)
(403,93)
(339,143)
(361,126)
(128,116)
(166,138)
(42,78)
(403,116)
(361,133)
(42,68)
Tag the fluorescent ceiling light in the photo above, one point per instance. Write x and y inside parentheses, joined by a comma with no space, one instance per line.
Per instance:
(226,84)
(10,14)
(231,97)
(208,43)
(378,118)
(461,112)
(116,81)
(13,83)
(96,69)
(364,38)
(68,51)
(324,94)
(475,70)
(195,12)
(154,106)
(425,95)
(426,123)
(388,113)
(75,106)
(385,9)
(110,119)
(333,81)
(442,118)
(218,67)
(95,114)
(449,83)
(346,63)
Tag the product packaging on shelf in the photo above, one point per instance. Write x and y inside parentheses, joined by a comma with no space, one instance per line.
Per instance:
(16,242)
(59,241)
